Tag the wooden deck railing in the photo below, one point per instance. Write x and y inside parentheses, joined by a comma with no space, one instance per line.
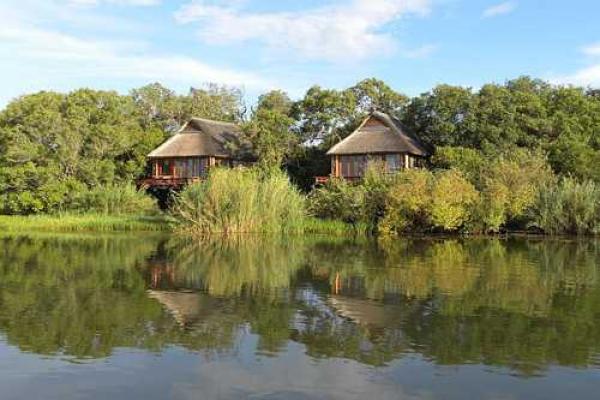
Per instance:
(167,182)
(321,180)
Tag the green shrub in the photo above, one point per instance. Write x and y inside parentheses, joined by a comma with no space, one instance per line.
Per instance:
(469,161)
(516,179)
(452,200)
(338,199)
(241,200)
(419,200)
(407,201)
(568,207)
(113,200)
(361,202)
(376,185)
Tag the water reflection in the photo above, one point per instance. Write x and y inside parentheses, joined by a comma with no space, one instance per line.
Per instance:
(520,304)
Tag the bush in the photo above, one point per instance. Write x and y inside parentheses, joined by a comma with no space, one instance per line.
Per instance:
(516,178)
(113,200)
(469,161)
(362,202)
(508,183)
(376,185)
(407,202)
(338,199)
(241,200)
(569,207)
(420,201)
(452,200)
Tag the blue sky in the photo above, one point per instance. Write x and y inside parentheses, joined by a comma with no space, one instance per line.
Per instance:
(291,44)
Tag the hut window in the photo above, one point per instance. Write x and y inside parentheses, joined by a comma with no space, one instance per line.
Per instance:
(165,168)
(186,168)
(202,166)
(353,166)
(393,162)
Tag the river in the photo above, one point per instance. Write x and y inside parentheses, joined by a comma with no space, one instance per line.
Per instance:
(154,317)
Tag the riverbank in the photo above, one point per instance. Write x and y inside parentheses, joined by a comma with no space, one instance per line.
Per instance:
(85,223)
(133,223)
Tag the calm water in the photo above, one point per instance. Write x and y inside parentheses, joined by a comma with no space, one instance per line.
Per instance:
(138,317)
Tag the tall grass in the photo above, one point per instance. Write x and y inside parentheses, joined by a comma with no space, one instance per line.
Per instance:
(113,200)
(570,207)
(241,200)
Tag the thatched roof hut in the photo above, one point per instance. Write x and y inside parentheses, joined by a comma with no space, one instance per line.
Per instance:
(187,156)
(380,137)
(379,133)
(200,138)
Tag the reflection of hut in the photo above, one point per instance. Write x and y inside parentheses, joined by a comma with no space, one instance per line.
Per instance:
(361,311)
(185,306)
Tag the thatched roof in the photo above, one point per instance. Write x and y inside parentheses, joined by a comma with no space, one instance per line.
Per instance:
(379,133)
(198,138)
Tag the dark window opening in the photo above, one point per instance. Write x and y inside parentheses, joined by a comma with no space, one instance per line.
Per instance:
(165,168)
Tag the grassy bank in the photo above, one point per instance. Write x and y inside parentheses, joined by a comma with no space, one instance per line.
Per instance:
(84,223)
(102,223)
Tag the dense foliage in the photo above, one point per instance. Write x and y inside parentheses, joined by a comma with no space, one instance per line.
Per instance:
(495,149)
(54,148)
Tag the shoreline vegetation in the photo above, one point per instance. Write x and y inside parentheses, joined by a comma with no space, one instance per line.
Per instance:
(71,223)
(521,156)
(91,223)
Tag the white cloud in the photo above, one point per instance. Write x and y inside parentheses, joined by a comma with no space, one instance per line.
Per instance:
(591,50)
(499,9)
(588,76)
(118,2)
(341,32)
(53,56)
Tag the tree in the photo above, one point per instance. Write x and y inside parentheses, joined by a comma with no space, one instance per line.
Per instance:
(373,94)
(324,115)
(160,107)
(216,102)
(58,144)
(442,117)
(275,100)
(271,138)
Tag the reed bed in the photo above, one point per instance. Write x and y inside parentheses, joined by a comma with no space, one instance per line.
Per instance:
(241,200)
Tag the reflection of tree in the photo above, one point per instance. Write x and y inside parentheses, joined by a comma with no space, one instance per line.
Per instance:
(516,303)
(76,296)
(522,304)
(85,297)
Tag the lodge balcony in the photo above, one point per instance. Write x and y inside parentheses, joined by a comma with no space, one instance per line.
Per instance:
(322,180)
(167,182)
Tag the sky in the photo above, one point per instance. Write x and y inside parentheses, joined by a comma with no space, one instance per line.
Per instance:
(259,45)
